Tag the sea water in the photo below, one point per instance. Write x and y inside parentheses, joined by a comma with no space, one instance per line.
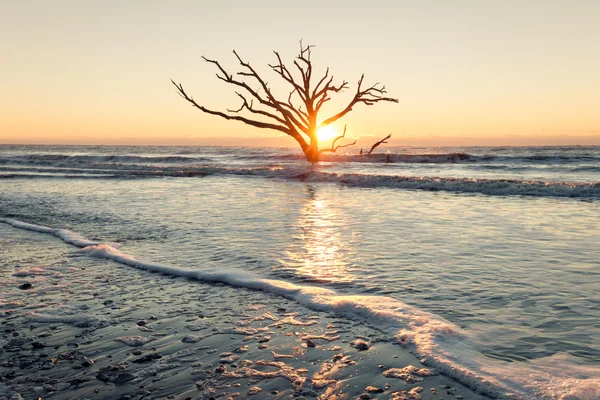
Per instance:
(483,261)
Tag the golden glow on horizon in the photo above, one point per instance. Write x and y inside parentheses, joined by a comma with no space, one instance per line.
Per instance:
(327,133)
(465,73)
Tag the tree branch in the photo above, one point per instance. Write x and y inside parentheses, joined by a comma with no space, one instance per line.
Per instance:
(378,143)
(257,124)
(249,107)
(291,121)
(369,96)
(333,148)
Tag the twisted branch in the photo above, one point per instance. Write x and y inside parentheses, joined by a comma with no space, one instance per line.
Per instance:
(333,148)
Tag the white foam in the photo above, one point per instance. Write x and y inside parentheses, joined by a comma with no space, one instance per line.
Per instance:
(67,315)
(440,343)
(67,236)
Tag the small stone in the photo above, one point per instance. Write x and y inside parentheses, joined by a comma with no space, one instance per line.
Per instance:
(264,339)
(310,343)
(373,389)
(360,345)
(254,390)
(147,358)
(191,339)
(364,396)
(229,359)
(37,345)
(25,286)
(221,369)
(141,322)
(133,341)
(241,349)
(87,362)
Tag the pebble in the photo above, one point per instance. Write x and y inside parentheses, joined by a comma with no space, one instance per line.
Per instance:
(254,390)
(25,286)
(220,369)
(147,358)
(360,345)
(191,339)
(133,341)
(87,362)
(310,343)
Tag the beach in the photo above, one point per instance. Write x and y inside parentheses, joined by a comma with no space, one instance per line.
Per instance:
(177,272)
(87,328)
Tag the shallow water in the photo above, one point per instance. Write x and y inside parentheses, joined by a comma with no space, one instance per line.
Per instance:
(506,249)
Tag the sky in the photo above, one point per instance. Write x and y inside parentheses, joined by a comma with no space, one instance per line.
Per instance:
(465,72)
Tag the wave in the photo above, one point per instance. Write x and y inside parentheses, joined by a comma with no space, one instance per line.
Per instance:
(491,187)
(439,343)
(52,159)
(495,187)
(402,158)
(454,158)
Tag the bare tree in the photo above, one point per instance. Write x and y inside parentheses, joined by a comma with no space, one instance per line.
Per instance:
(297,116)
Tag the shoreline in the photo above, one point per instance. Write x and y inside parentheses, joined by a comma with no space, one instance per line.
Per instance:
(70,334)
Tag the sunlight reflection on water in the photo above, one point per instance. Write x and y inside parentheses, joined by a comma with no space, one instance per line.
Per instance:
(317,250)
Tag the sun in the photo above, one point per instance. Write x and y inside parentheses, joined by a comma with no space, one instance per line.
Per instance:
(326,133)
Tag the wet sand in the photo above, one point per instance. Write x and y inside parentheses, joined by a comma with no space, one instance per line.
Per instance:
(72,326)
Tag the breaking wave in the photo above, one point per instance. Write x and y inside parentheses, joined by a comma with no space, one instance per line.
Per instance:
(485,186)
(191,158)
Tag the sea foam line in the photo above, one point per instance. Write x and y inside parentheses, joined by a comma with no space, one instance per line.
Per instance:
(437,342)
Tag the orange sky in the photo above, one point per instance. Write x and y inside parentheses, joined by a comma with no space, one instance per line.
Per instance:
(465,72)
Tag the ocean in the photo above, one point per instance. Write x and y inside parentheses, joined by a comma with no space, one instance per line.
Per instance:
(483,261)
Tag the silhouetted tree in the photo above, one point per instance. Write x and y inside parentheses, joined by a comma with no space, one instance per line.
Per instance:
(297,116)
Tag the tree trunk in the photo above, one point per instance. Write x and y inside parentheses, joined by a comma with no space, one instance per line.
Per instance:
(312,151)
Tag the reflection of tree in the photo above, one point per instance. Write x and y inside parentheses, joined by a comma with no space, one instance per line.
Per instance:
(317,246)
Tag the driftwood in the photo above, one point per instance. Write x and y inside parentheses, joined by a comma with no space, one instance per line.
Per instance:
(296,116)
